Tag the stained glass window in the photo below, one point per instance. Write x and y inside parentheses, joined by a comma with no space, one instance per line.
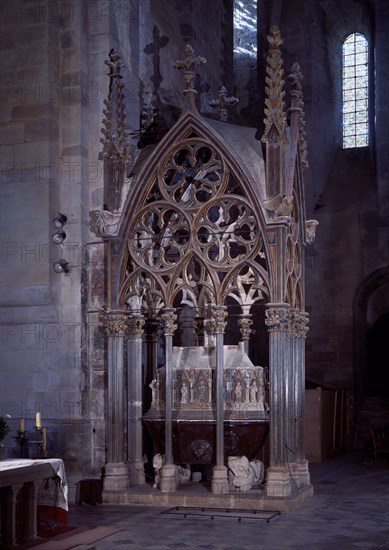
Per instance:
(355,92)
(245,28)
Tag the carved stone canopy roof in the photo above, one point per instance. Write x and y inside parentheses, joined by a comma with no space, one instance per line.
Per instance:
(247,150)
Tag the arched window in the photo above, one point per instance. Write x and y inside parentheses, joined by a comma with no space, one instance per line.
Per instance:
(245,28)
(355,92)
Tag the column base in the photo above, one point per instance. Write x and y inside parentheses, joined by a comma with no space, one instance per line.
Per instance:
(278,482)
(168,483)
(220,483)
(115,481)
(136,472)
(300,472)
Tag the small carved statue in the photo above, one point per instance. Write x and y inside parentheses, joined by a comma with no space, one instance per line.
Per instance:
(184,393)
(202,391)
(253,392)
(157,465)
(154,387)
(238,392)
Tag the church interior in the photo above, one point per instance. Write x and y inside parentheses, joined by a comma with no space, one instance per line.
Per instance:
(194,246)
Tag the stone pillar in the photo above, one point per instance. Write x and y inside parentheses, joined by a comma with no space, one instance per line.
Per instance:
(116,473)
(168,471)
(135,391)
(30,501)
(277,319)
(299,465)
(245,323)
(8,510)
(219,472)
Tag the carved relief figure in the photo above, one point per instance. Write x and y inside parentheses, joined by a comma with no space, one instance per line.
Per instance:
(253,392)
(238,392)
(154,389)
(202,391)
(184,393)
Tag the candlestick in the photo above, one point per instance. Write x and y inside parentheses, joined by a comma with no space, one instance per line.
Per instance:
(21,425)
(38,420)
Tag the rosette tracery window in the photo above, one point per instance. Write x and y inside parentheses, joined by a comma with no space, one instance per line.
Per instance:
(192,174)
(194,231)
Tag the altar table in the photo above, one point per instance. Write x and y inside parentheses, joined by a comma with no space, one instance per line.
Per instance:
(44,492)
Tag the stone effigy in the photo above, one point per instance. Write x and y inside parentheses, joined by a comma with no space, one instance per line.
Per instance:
(244,475)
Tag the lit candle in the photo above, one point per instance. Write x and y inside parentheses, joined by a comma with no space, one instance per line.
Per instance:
(38,420)
(21,425)
(44,439)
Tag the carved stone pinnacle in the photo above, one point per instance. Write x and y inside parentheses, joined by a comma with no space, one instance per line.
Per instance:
(223,103)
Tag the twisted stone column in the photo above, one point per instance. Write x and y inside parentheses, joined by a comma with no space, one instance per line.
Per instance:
(168,478)
(219,472)
(116,473)
(135,390)
(277,319)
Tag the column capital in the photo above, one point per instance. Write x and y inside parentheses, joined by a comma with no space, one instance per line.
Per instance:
(219,315)
(300,324)
(278,317)
(135,326)
(115,322)
(168,317)
(245,322)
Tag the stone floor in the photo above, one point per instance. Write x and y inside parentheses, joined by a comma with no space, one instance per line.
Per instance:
(350,511)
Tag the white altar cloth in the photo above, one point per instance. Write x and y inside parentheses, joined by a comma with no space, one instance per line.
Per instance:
(53,489)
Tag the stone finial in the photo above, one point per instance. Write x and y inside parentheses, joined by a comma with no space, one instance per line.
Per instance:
(114,64)
(275,118)
(187,65)
(115,146)
(223,103)
(274,39)
(297,103)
